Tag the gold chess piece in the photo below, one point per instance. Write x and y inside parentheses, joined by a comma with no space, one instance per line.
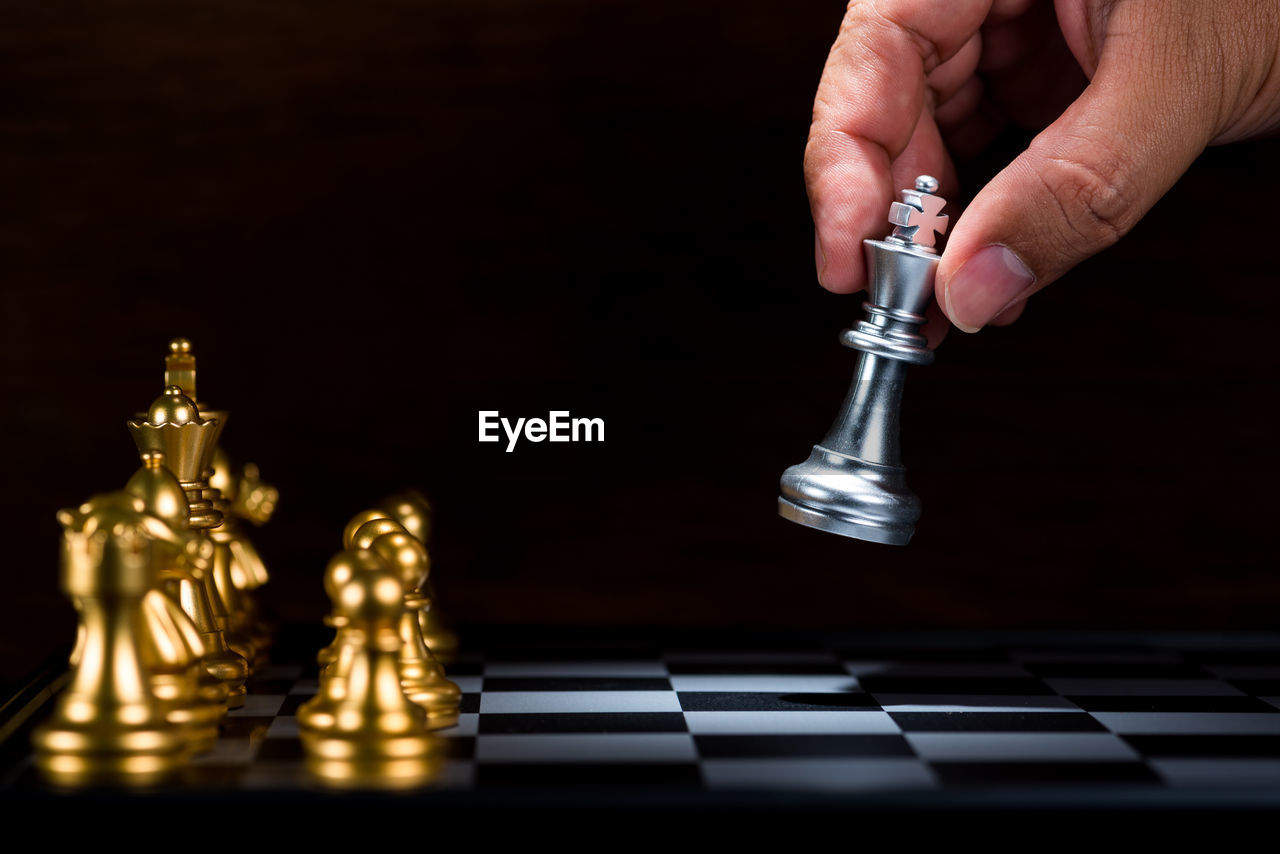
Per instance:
(369,524)
(192,696)
(107,726)
(361,728)
(412,510)
(361,519)
(174,427)
(246,498)
(229,609)
(421,676)
(336,574)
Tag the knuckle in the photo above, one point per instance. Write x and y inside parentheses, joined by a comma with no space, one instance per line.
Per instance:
(1096,197)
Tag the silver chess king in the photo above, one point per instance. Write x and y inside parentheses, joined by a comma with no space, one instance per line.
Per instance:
(854,484)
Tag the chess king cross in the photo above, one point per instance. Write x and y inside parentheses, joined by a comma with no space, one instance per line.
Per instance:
(853,483)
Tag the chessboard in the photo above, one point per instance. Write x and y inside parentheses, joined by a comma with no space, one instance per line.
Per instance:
(609,718)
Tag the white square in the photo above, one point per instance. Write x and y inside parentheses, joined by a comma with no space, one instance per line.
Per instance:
(790,723)
(571,669)
(1190,723)
(534,702)
(286,727)
(974,703)
(468,724)
(768,684)
(228,751)
(468,684)
(1021,747)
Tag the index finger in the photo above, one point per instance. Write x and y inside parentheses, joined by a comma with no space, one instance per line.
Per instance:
(870,111)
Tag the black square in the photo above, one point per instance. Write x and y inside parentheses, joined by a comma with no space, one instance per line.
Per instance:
(291,703)
(962,774)
(577,683)
(751,701)
(1192,703)
(589,776)
(724,666)
(996,722)
(989,685)
(800,746)
(1199,746)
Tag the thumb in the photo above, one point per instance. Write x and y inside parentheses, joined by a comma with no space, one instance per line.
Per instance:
(1081,185)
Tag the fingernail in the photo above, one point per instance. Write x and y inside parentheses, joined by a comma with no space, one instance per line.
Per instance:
(988,283)
(819,257)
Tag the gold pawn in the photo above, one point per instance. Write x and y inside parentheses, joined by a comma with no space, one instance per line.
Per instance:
(412,509)
(361,729)
(107,726)
(421,676)
(371,524)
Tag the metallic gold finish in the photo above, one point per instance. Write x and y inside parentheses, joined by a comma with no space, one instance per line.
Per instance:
(238,569)
(228,608)
(421,676)
(107,726)
(442,640)
(361,720)
(175,669)
(336,574)
(164,498)
(411,509)
(192,697)
(175,428)
(358,521)
(192,592)
(359,533)
(363,537)
(381,774)
(180,367)
(255,500)
(245,570)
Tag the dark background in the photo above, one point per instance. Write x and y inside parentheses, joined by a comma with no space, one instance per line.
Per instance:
(375,218)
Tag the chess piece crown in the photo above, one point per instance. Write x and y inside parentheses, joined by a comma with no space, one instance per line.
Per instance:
(853,482)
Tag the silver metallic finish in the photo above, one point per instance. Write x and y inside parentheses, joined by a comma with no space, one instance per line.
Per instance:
(919,214)
(854,483)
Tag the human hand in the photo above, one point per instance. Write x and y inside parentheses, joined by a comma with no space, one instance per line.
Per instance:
(1128,93)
